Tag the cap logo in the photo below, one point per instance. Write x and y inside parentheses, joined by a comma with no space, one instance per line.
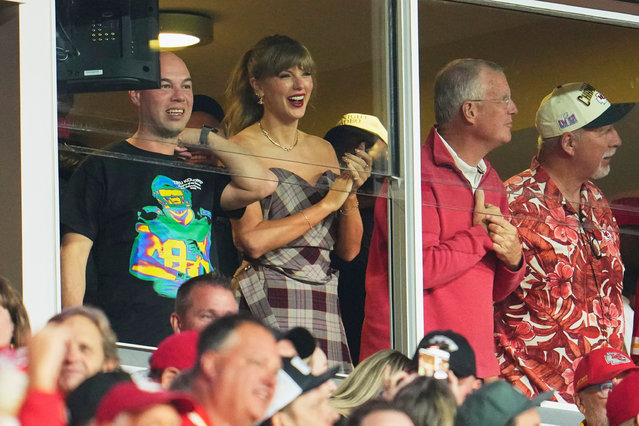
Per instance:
(352,119)
(614,358)
(582,380)
(444,343)
(601,98)
(587,92)
(567,120)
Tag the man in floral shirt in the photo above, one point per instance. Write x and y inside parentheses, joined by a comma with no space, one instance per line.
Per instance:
(570,299)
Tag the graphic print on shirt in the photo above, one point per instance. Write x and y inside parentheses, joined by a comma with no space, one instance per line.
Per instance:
(173,242)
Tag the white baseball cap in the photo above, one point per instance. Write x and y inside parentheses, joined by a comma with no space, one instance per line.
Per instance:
(370,123)
(572,106)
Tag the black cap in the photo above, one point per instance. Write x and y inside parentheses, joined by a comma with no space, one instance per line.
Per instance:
(294,378)
(82,402)
(301,338)
(300,373)
(208,105)
(614,113)
(462,356)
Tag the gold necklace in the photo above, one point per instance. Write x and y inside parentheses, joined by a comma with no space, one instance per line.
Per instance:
(274,142)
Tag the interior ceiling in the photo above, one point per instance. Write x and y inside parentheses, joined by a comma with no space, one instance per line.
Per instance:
(323,26)
(338,33)
(329,27)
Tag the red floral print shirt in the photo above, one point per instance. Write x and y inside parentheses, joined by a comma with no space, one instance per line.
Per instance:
(570,299)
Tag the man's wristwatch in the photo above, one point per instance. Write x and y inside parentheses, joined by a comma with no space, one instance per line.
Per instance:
(204,134)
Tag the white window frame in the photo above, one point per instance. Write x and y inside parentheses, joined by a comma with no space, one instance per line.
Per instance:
(39,161)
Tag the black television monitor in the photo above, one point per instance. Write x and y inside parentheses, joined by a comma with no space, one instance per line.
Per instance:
(107,45)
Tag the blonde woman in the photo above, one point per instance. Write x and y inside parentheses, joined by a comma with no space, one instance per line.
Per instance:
(287,238)
(366,381)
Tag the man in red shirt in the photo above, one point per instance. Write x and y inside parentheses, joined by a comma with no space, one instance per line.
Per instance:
(471,253)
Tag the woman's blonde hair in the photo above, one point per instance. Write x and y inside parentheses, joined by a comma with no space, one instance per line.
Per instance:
(267,58)
(365,382)
(11,301)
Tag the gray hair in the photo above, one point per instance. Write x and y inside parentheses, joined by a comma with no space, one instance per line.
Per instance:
(100,320)
(546,144)
(458,82)
(549,144)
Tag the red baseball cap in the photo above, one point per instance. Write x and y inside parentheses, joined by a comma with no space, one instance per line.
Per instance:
(601,365)
(623,401)
(128,397)
(177,350)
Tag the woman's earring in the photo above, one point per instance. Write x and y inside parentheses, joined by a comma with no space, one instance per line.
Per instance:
(260,100)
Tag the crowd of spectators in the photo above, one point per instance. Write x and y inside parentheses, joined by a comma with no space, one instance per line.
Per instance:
(235,371)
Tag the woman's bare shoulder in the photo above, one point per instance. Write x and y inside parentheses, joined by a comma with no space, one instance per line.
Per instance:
(247,139)
(317,140)
(321,147)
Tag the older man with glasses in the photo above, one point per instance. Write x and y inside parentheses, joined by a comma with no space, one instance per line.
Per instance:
(595,376)
(471,253)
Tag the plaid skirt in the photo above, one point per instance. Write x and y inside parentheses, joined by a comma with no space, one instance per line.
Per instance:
(282,303)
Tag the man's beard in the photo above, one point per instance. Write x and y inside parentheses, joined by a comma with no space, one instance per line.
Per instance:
(602,172)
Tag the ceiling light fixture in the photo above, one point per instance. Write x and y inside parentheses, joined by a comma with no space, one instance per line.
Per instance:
(183,29)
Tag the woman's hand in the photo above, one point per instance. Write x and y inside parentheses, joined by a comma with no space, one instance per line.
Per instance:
(359,165)
(339,192)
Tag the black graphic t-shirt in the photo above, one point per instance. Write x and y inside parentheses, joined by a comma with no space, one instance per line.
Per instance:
(151,227)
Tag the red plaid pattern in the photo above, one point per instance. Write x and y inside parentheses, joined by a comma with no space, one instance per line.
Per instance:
(294,285)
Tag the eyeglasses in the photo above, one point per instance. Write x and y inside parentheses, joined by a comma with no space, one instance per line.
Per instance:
(506,100)
(603,389)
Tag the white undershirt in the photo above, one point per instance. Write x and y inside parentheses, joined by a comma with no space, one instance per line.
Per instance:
(472,174)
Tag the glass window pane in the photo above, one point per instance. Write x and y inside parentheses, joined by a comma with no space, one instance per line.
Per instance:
(352,77)
(539,52)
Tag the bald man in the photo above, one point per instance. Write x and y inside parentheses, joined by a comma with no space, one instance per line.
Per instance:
(146,222)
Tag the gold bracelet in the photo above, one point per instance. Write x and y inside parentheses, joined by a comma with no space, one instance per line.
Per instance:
(343,211)
(307,221)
